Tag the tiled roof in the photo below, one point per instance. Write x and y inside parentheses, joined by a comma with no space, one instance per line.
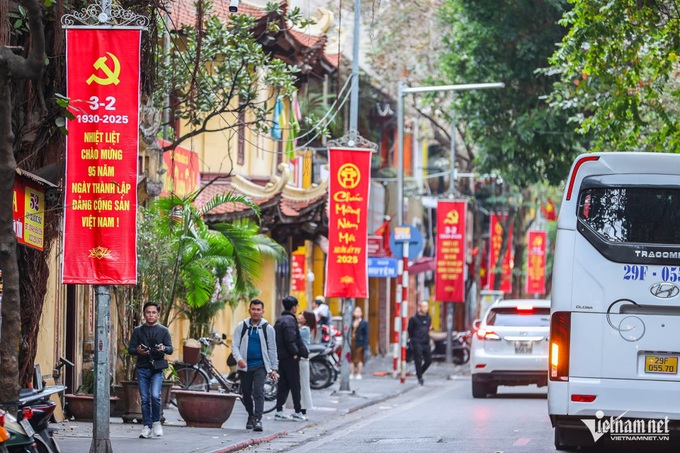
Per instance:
(183,12)
(306,39)
(292,208)
(288,207)
(229,208)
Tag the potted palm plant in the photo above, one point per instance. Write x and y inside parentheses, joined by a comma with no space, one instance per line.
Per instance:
(205,267)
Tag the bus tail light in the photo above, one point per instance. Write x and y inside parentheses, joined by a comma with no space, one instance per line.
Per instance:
(560,332)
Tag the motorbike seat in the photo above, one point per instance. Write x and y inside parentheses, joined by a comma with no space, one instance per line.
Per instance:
(317,348)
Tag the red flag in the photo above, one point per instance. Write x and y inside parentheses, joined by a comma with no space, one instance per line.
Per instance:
(384,231)
(549,211)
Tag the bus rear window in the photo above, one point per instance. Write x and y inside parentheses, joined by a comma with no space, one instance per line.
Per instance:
(647,215)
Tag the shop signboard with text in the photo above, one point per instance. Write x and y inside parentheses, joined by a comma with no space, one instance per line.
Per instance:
(100,212)
(450,251)
(349,182)
(29,213)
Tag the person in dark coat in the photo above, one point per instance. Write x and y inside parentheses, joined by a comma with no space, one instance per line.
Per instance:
(359,345)
(290,348)
(419,333)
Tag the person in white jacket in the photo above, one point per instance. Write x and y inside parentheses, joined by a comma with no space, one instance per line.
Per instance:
(254,349)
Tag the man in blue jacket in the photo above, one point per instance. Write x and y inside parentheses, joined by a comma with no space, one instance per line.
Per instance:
(254,349)
(290,348)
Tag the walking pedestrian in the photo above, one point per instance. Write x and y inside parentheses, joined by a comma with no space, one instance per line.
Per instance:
(359,343)
(150,342)
(307,324)
(254,349)
(290,349)
(419,332)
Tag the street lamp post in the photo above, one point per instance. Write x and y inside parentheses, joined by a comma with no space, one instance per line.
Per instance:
(402,302)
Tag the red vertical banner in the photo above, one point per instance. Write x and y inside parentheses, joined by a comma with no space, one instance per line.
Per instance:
(100,228)
(184,174)
(496,239)
(535,283)
(349,182)
(449,280)
(298,272)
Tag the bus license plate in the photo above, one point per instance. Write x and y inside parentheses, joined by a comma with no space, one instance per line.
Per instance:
(523,347)
(661,364)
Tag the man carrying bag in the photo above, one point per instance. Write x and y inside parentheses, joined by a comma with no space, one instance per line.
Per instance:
(150,342)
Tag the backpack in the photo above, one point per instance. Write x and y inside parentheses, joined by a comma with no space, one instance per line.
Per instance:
(264,331)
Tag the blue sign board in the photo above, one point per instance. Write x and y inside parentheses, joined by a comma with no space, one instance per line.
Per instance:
(382,267)
(415,243)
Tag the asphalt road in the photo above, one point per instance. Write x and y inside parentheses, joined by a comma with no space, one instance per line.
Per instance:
(441,416)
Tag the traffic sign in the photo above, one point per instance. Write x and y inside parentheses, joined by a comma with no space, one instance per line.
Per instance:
(406,233)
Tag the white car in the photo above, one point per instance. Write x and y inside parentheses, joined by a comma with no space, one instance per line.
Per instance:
(510,346)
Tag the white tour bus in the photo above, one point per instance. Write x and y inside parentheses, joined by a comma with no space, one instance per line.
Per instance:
(615,314)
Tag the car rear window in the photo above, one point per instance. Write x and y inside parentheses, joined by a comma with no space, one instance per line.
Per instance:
(648,215)
(511,316)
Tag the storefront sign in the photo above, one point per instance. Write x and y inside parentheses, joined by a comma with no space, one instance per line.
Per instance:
(100,235)
(183,171)
(350,177)
(535,283)
(450,251)
(298,272)
(496,239)
(29,213)
(375,245)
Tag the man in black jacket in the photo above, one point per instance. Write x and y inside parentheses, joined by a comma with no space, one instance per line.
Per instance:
(290,348)
(419,333)
(150,342)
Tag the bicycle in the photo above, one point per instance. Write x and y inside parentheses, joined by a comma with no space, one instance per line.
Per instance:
(204,377)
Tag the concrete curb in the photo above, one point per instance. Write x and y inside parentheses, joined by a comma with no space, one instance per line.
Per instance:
(251,442)
(380,400)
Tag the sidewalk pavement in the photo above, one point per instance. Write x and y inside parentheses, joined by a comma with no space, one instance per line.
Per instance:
(376,386)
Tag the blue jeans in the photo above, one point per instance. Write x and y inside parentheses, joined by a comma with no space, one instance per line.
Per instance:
(150,384)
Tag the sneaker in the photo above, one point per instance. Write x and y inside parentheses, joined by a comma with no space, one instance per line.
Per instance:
(358,376)
(298,417)
(351,376)
(281,416)
(157,429)
(250,423)
(146,433)
(258,425)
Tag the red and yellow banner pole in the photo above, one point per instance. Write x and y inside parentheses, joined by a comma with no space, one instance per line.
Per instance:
(536,257)
(100,213)
(450,251)
(349,182)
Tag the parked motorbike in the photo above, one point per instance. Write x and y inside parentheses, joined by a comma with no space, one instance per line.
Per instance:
(322,373)
(20,435)
(438,340)
(41,409)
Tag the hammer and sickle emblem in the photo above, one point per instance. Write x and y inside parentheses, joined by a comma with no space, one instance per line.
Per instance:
(451,218)
(111,75)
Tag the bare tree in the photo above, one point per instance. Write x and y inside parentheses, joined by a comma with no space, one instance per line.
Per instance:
(13,66)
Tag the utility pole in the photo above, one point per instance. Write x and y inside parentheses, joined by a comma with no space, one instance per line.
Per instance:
(402,302)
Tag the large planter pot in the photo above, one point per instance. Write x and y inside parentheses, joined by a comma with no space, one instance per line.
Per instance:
(81,407)
(204,409)
(132,401)
(119,410)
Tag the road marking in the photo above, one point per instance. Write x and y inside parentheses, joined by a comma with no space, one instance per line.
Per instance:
(522,441)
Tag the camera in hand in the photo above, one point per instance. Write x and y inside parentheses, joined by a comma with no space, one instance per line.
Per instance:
(144,347)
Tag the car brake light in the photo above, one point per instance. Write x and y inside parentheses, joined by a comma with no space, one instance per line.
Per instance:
(583,398)
(27,412)
(560,332)
(575,172)
(525,308)
(484,334)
